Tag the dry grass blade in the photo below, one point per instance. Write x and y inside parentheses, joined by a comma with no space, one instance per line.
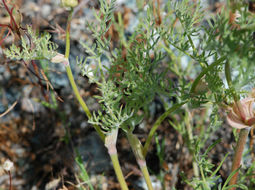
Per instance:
(9,109)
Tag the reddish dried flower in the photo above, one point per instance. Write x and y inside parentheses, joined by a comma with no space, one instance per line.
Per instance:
(242,114)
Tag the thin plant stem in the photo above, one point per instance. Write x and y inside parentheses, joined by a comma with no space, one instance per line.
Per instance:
(10,178)
(204,71)
(229,80)
(9,32)
(185,52)
(16,28)
(146,176)
(138,152)
(118,172)
(238,155)
(72,81)
(156,125)
(195,50)
(81,101)
(228,74)
(110,144)
(205,185)
(190,138)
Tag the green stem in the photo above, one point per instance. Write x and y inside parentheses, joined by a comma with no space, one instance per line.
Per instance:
(205,185)
(238,155)
(190,138)
(68,26)
(76,91)
(228,74)
(204,71)
(194,49)
(185,52)
(192,44)
(146,176)
(156,125)
(110,144)
(229,80)
(137,149)
(118,172)
(81,101)
(71,78)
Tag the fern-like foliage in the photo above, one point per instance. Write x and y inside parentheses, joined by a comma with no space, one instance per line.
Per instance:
(128,83)
(32,48)
(235,40)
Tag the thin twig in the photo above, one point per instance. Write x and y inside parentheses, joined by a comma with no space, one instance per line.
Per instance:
(10,178)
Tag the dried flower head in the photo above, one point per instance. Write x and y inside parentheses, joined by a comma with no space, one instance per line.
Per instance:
(8,165)
(242,114)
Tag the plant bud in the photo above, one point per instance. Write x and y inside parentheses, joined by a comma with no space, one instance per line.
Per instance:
(60,58)
(69,3)
(201,88)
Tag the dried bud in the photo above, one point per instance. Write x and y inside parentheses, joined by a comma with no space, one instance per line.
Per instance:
(69,3)
(60,58)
